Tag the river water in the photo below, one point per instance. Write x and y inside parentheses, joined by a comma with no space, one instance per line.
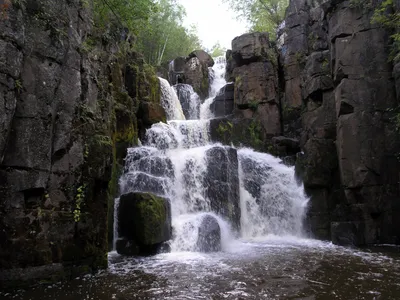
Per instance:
(275,268)
(269,257)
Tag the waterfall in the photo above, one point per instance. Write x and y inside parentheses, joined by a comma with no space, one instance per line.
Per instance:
(271,200)
(217,83)
(250,194)
(189,100)
(170,101)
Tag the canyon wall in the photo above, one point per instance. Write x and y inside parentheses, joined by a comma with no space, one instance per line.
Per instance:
(72,99)
(340,101)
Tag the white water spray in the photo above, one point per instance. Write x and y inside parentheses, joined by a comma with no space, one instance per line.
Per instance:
(170,101)
(218,82)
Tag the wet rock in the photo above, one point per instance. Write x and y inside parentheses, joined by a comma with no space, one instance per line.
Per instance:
(197,75)
(209,235)
(286,146)
(142,182)
(348,233)
(158,166)
(223,104)
(151,113)
(222,183)
(192,70)
(189,100)
(144,223)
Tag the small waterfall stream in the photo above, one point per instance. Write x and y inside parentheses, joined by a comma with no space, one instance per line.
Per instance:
(178,162)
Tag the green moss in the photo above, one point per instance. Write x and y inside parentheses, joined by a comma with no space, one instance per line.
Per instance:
(253,105)
(254,131)
(152,216)
(224,131)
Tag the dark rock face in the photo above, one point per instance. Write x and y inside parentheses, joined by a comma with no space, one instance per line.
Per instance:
(64,110)
(209,235)
(339,94)
(223,104)
(222,183)
(250,47)
(144,223)
(253,66)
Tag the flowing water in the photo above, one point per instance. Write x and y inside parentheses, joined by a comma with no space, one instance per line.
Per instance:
(269,257)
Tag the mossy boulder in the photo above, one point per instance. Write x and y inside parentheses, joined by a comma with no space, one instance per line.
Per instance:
(144,220)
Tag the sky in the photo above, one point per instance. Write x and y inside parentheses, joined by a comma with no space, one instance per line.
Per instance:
(214,20)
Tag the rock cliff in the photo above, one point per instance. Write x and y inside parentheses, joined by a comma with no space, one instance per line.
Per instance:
(71,101)
(339,101)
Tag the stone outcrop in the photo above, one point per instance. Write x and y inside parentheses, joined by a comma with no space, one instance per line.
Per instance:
(222,183)
(223,104)
(339,98)
(209,235)
(144,223)
(68,105)
(193,70)
(253,66)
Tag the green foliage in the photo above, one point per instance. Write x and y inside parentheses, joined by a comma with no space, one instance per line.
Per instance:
(253,105)
(132,14)
(164,37)
(217,50)
(80,195)
(262,15)
(300,58)
(18,85)
(255,134)
(387,16)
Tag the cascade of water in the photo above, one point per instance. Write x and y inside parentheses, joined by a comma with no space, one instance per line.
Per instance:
(189,100)
(271,200)
(217,83)
(170,101)
(178,162)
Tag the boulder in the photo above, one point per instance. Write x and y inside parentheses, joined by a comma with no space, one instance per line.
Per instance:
(250,47)
(146,183)
(176,72)
(222,183)
(223,103)
(196,74)
(144,223)
(151,113)
(158,166)
(209,235)
(203,57)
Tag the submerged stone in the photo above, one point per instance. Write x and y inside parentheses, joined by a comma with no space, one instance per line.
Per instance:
(209,236)
(222,183)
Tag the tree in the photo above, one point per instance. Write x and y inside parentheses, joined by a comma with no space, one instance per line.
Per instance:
(217,50)
(262,15)
(132,14)
(164,37)
(158,25)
